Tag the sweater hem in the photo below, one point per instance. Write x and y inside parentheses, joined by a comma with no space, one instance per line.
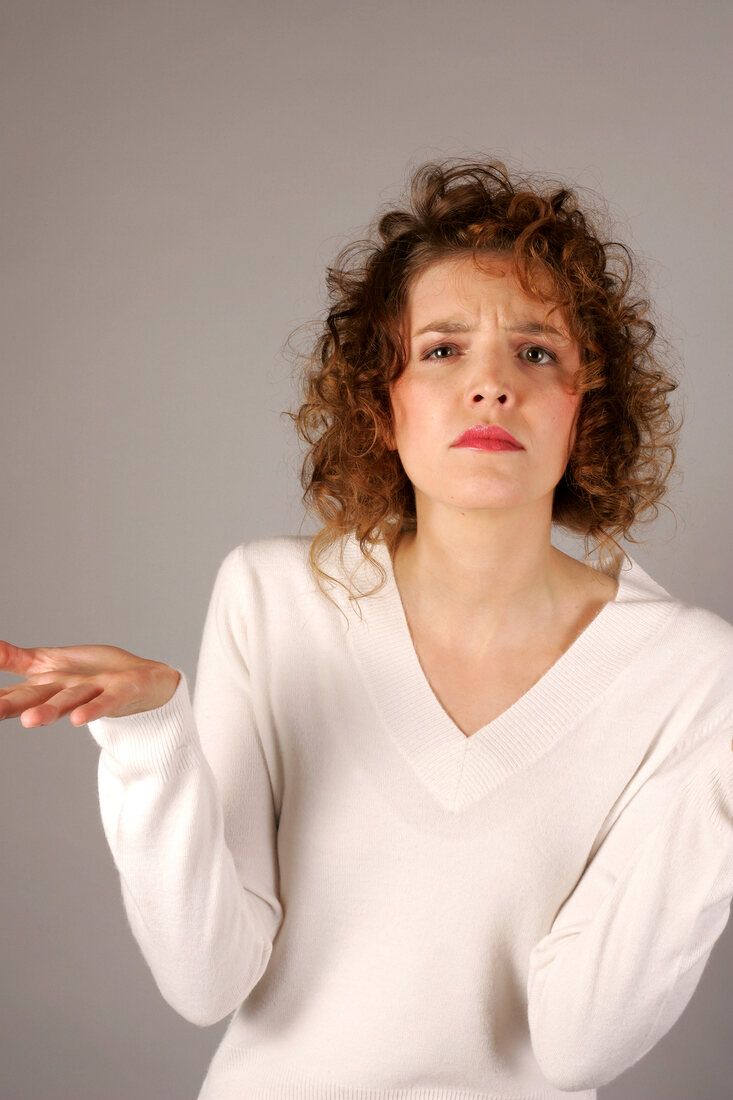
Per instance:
(235,1072)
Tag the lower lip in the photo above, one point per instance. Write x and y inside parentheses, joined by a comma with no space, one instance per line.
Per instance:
(489,445)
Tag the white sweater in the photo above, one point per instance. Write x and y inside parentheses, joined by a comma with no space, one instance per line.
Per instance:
(392,909)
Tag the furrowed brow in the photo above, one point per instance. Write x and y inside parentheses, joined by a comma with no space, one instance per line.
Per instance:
(533,328)
(526,328)
(444,326)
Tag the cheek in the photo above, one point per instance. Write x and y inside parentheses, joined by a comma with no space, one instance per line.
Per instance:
(556,426)
(569,417)
(408,409)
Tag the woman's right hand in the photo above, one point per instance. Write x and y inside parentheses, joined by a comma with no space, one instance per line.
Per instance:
(84,681)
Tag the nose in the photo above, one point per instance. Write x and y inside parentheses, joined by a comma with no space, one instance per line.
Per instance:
(478,397)
(491,379)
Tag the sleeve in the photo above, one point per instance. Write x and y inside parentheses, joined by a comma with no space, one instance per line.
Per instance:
(628,947)
(187,809)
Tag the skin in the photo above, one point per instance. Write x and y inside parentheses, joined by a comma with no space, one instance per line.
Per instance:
(481,570)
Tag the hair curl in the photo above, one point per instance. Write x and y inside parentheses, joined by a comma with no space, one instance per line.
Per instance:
(625,445)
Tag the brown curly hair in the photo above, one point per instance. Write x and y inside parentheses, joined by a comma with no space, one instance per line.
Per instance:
(625,444)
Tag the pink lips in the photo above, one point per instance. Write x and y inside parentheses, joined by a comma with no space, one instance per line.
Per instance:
(488,437)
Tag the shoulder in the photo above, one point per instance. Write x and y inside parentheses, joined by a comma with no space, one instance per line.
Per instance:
(685,659)
(267,597)
(693,630)
(263,586)
(289,552)
(694,664)
(281,559)
(705,635)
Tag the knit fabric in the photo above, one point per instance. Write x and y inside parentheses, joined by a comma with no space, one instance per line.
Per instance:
(392,909)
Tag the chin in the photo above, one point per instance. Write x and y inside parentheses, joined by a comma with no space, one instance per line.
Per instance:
(481,502)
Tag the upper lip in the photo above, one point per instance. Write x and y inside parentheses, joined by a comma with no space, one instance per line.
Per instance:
(486,431)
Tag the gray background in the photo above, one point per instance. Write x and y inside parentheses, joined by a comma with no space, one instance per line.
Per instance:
(176,178)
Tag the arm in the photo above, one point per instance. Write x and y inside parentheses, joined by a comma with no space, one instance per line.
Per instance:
(203,913)
(628,947)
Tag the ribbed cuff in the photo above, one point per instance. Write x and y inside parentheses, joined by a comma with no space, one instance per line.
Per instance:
(153,740)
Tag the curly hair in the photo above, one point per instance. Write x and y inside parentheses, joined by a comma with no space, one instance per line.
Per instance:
(625,443)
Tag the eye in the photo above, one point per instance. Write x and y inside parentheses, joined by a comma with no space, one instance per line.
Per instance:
(440,347)
(438,353)
(537,362)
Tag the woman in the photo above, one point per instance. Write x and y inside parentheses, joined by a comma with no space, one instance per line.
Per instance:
(467,832)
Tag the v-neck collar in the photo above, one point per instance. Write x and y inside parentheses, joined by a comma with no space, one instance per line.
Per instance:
(457,769)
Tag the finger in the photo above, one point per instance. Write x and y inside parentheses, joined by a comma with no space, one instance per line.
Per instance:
(41,679)
(14,700)
(60,704)
(108,703)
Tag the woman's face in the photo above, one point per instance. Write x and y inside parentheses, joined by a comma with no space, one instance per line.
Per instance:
(476,365)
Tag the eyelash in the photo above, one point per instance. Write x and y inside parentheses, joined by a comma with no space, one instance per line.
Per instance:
(530,347)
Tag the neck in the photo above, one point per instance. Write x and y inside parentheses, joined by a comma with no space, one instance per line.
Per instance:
(466,583)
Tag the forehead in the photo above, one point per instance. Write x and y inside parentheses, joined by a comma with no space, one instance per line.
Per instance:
(463,284)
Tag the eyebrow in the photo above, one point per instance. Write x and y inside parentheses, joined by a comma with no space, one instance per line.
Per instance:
(527,328)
